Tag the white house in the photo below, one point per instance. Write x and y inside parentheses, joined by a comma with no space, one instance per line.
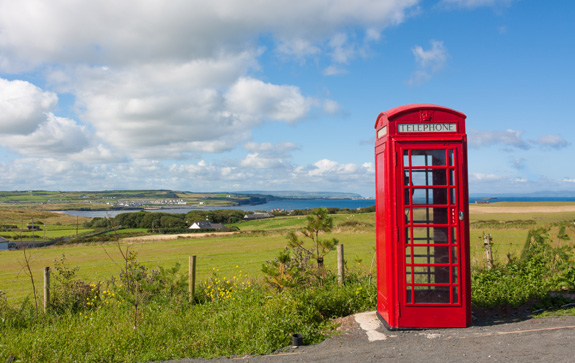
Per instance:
(206,225)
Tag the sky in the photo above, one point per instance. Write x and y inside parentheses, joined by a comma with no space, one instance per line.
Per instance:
(236,95)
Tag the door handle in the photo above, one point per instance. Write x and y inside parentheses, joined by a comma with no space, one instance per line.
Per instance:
(461,216)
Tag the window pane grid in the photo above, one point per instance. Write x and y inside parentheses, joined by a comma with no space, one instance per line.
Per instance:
(431,263)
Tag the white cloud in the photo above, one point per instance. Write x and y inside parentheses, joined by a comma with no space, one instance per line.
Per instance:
(298,48)
(169,80)
(119,33)
(252,99)
(568,180)
(163,80)
(55,136)
(334,70)
(513,138)
(98,154)
(146,115)
(259,161)
(23,106)
(428,61)
(269,147)
(268,156)
(331,107)
(473,177)
(553,141)
(331,171)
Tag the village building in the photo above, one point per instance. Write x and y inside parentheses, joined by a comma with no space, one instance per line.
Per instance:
(206,225)
(258,215)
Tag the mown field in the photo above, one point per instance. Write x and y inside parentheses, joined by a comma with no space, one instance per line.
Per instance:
(262,240)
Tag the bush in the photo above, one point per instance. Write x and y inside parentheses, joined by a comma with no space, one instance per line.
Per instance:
(251,319)
(541,268)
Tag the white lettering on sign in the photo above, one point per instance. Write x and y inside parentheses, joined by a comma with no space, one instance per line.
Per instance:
(431,127)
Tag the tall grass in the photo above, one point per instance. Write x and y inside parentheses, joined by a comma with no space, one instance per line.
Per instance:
(251,319)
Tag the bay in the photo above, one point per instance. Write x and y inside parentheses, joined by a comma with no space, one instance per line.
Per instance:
(276,204)
(303,204)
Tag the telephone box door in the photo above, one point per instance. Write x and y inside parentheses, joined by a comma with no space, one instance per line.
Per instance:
(431,233)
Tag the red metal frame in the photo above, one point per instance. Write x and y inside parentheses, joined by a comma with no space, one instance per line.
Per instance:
(422,213)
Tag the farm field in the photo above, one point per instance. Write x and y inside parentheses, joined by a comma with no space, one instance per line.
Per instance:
(261,240)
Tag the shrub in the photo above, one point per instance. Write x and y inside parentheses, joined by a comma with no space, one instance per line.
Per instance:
(540,269)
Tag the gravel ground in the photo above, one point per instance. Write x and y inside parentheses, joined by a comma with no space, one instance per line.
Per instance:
(494,337)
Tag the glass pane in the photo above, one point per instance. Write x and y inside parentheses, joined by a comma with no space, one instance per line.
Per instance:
(452,196)
(429,196)
(451,177)
(408,294)
(408,275)
(440,216)
(423,275)
(407,216)
(454,274)
(421,177)
(428,158)
(453,235)
(429,215)
(431,254)
(405,158)
(422,196)
(424,177)
(423,215)
(423,235)
(431,294)
(451,161)
(431,274)
(430,235)
(455,295)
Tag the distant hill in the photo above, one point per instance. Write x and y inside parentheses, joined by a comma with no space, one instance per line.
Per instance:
(539,194)
(297,194)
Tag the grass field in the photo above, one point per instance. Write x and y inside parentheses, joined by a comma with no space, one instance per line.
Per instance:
(250,249)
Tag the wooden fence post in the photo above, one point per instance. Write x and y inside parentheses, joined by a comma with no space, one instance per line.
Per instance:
(46,288)
(488,252)
(192,278)
(340,264)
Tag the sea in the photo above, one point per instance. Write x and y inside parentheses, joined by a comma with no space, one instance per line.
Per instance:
(303,204)
(276,204)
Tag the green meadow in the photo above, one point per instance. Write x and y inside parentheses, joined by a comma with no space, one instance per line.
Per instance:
(259,241)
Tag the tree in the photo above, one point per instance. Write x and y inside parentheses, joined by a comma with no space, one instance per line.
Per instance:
(318,221)
(291,267)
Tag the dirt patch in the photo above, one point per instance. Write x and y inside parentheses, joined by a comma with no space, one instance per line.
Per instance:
(346,323)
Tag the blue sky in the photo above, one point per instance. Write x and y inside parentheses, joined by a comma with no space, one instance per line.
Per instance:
(282,95)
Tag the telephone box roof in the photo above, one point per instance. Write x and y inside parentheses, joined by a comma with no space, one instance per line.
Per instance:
(396,111)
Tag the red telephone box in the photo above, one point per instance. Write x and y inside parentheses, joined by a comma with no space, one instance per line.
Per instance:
(422,208)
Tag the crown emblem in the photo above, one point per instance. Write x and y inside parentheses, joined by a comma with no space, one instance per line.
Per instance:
(426,115)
